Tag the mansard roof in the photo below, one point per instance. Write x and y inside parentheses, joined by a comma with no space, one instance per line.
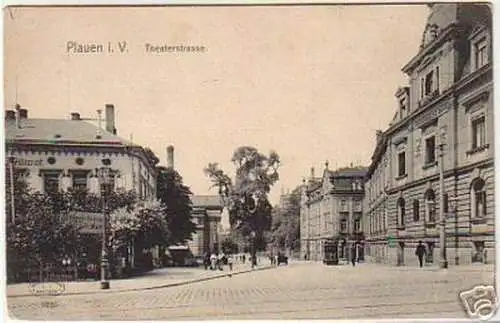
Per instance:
(60,131)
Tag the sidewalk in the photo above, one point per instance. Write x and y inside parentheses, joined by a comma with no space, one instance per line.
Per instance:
(158,278)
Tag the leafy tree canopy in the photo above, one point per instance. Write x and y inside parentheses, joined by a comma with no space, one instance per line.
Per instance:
(247,196)
(176,198)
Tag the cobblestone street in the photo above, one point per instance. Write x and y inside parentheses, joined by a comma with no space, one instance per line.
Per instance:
(299,291)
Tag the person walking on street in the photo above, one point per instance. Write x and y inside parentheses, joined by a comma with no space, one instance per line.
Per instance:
(353,255)
(213,261)
(420,253)
(230,264)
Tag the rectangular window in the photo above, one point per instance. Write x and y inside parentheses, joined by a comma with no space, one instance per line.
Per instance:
(343,226)
(51,182)
(429,83)
(401,164)
(481,53)
(478,132)
(430,150)
(357,225)
(79,180)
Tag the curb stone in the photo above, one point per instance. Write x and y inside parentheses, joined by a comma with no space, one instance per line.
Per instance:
(186,282)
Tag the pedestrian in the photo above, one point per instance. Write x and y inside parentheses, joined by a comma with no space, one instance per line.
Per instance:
(243,257)
(420,253)
(206,260)
(213,261)
(230,262)
(220,261)
(353,255)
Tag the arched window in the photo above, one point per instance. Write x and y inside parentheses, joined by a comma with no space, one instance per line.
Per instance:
(416,211)
(401,212)
(478,198)
(430,206)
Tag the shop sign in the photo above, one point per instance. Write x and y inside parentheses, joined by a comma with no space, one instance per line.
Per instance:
(23,162)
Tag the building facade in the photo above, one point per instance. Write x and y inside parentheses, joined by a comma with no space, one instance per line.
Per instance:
(207,212)
(443,127)
(331,209)
(58,154)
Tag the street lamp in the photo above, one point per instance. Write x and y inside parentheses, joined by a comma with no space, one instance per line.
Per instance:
(105,180)
(443,262)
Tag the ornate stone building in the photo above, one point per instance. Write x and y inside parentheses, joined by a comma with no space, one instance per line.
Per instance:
(444,121)
(331,208)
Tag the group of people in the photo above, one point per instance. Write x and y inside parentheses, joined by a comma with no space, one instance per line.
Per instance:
(216,261)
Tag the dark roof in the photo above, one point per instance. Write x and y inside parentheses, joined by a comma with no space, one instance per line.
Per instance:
(206,201)
(61,131)
(350,172)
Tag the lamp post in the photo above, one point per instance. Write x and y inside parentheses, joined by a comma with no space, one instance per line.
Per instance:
(452,202)
(104,181)
(443,262)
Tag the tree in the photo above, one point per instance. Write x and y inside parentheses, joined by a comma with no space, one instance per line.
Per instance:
(176,198)
(285,232)
(144,224)
(40,234)
(247,197)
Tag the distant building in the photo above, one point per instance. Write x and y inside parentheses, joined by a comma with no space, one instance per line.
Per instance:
(207,213)
(446,109)
(331,208)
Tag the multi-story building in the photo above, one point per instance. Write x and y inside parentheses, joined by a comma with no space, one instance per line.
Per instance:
(443,126)
(58,154)
(331,208)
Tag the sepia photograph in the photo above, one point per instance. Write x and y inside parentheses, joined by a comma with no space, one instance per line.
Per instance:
(295,161)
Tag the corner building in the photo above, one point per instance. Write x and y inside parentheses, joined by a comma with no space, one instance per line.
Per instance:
(58,154)
(444,118)
(331,208)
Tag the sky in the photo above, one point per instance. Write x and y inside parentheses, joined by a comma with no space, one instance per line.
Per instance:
(313,83)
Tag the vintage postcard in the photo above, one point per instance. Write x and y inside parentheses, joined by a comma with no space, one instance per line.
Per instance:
(249,161)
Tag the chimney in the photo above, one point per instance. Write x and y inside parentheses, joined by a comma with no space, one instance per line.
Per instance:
(18,117)
(10,115)
(170,156)
(110,119)
(312,172)
(75,116)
